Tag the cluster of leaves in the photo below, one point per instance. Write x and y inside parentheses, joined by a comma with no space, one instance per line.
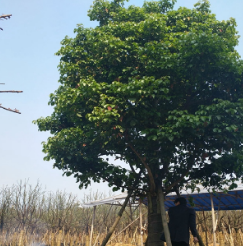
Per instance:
(158,88)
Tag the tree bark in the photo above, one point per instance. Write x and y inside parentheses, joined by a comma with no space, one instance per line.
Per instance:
(155,227)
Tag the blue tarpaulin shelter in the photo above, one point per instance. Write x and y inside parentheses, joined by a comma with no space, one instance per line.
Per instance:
(203,200)
(232,200)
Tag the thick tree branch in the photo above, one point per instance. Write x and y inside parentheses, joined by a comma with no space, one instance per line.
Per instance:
(151,178)
(133,170)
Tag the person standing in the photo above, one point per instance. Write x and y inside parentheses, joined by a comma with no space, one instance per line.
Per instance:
(182,218)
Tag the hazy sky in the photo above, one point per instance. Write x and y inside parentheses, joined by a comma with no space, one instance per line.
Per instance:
(27,62)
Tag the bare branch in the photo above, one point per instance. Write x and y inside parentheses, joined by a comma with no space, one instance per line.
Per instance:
(5,16)
(11,110)
(11,91)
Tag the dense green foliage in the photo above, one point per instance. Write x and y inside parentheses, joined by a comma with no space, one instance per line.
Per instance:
(158,88)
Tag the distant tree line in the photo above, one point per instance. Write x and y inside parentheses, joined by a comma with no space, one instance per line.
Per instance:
(35,210)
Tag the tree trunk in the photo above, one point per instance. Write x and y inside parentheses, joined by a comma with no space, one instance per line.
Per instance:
(155,227)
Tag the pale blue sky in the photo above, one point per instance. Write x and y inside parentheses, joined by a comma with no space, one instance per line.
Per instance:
(27,62)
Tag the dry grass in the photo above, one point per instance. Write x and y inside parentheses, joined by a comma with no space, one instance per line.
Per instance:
(232,238)
(60,239)
(30,216)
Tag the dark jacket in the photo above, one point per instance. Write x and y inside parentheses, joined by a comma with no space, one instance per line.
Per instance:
(181,219)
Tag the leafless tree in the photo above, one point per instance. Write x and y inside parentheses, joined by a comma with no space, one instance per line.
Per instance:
(5,206)
(61,212)
(4,17)
(28,202)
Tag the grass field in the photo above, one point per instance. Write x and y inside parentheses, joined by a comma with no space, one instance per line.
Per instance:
(24,238)
(30,215)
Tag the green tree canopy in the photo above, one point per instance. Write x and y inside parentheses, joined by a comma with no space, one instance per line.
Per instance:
(158,88)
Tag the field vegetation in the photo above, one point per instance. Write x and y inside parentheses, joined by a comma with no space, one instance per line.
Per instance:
(30,215)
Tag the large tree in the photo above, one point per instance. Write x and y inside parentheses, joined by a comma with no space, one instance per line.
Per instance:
(157,88)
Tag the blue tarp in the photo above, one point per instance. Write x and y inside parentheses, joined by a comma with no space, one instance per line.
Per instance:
(232,200)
